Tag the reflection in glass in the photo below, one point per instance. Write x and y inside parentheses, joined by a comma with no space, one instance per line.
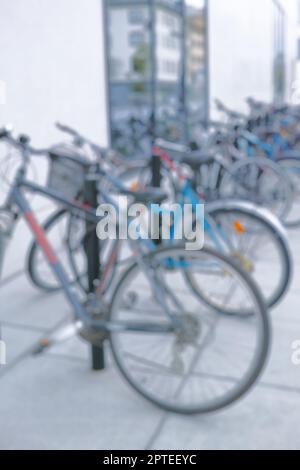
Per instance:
(156,69)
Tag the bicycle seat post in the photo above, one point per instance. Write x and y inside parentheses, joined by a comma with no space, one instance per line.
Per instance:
(156,174)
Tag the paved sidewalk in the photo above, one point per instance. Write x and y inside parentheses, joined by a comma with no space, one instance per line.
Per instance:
(56,402)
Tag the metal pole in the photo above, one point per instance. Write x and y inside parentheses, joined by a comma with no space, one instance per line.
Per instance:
(207,61)
(106,48)
(153,77)
(183,103)
(155,160)
(92,247)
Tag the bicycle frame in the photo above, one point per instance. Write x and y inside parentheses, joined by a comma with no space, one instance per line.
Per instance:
(187,193)
(16,199)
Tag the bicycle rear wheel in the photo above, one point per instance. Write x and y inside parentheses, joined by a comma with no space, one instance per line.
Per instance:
(260,181)
(3,242)
(209,362)
(67,233)
(291,166)
(256,241)
(38,269)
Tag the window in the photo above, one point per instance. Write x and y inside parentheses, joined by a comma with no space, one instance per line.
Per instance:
(136,38)
(169,20)
(169,42)
(168,67)
(141,69)
(136,16)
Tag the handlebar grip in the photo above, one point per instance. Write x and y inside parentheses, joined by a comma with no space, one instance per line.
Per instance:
(24,139)
(5,131)
(220,106)
(66,129)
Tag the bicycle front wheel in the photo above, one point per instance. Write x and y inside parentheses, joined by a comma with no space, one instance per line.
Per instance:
(211,359)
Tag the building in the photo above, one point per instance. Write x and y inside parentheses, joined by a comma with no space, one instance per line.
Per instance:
(53,60)
(196,48)
(130,48)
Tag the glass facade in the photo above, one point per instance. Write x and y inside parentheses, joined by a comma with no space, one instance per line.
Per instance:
(156,70)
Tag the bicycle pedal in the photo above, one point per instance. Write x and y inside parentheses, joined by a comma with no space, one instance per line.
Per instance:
(42,345)
(60,335)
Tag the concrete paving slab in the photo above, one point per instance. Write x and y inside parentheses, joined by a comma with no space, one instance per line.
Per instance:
(74,348)
(22,304)
(265,420)
(280,370)
(50,403)
(18,341)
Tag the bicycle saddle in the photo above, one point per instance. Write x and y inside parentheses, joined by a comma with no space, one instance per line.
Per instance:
(149,196)
(196,159)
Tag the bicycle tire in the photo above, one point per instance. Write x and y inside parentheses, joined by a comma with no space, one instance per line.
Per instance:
(261,353)
(275,235)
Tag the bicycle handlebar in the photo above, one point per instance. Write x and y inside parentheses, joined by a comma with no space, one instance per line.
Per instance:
(81,138)
(6,131)
(67,130)
(232,114)
(22,142)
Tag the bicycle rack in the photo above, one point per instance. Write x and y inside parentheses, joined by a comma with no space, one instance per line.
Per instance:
(156,176)
(93,248)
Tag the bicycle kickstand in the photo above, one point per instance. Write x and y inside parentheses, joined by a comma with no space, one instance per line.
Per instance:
(60,335)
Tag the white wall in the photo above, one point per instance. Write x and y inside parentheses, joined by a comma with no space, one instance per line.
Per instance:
(292,12)
(241,49)
(51,58)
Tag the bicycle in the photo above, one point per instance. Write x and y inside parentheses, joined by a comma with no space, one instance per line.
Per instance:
(161,349)
(236,228)
(266,134)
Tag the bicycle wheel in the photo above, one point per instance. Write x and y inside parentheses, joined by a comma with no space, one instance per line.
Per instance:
(67,233)
(256,240)
(210,360)
(38,269)
(77,255)
(3,242)
(291,166)
(260,181)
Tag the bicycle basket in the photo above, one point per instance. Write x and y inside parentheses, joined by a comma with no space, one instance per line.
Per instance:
(66,172)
